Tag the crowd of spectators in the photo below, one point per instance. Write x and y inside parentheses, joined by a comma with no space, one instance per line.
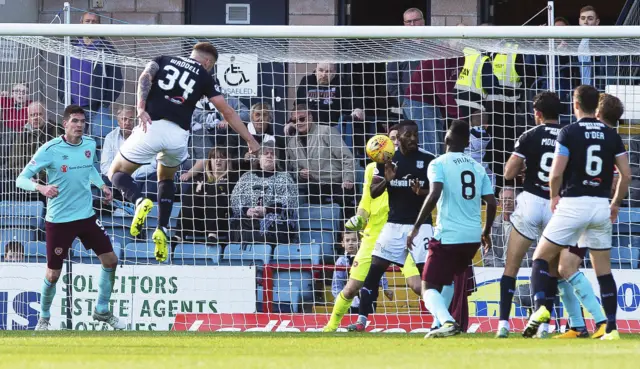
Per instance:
(230,195)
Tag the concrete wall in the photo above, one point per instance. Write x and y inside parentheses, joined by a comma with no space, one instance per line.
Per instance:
(453,12)
(19,11)
(130,11)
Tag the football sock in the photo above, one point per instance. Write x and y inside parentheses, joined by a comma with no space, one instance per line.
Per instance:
(436,305)
(447,296)
(571,305)
(369,291)
(551,292)
(507,289)
(586,296)
(48,292)
(105,285)
(341,306)
(166,193)
(609,297)
(127,186)
(539,281)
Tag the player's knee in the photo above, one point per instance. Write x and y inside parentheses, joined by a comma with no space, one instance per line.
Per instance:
(415,284)
(109,260)
(566,270)
(511,269)
(52,275)
(351,290)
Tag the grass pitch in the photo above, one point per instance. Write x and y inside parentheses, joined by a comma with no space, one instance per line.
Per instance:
(158,350)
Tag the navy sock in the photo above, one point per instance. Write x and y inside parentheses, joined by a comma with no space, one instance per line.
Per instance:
(539,282)
(551,292)
(609,297)
(369,291)
(507,289)
(127,186)
(166,193)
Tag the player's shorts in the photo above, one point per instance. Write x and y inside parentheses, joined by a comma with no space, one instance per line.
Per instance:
(581,220)
(362,261)
(578,251)
(392,243)
(531,216)
(164,141)
(446,261)
(60,237)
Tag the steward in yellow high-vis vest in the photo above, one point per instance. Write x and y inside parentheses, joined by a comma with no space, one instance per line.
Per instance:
(475,82)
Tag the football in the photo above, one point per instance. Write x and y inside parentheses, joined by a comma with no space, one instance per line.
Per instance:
(380,148)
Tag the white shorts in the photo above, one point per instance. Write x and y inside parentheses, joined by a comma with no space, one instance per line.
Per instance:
(392,243)
(531,216)
(581,220)
(164,141)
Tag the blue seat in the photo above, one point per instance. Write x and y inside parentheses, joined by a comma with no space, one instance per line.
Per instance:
(17,234)
(298,254)
(288,281)
(628,221)
(318,217)
(22,214)
(34,251)
(624,257)
(120,234)
(152,219)
(324,238)
(196,254)
(286,299)
(141,253)
(247,254)
(81,255)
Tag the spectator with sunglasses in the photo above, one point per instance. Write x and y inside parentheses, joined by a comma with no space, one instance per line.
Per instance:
(324,165)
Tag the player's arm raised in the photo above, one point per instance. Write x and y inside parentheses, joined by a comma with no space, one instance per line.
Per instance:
(144,87)
(235,122)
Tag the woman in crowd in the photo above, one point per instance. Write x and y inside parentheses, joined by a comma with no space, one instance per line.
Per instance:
(265,203)
(261,128)
(205,205)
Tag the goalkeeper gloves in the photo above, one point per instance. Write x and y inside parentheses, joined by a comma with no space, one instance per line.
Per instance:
(355,223)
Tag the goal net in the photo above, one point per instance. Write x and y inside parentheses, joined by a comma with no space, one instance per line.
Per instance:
(258,243)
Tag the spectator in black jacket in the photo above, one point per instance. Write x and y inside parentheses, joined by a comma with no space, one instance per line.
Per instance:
(205,206)
(94,83)
(328,95)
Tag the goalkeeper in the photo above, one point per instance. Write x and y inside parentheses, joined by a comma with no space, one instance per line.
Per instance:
(370,218)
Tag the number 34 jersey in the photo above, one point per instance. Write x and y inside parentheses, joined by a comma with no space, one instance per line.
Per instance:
(592,147)
(464,181)
(177,86)
(536,147)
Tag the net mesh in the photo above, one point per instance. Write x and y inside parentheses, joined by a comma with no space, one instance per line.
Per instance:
(225,262)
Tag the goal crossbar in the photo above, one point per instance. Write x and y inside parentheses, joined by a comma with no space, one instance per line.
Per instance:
(369,32)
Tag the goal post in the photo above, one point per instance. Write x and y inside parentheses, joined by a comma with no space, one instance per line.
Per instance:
(259,241)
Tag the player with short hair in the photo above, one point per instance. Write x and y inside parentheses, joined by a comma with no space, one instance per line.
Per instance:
(582,173)
(458,185)
(535,149)
(371,217)
(404,178)
(608,111)
(168,90)
(68,161)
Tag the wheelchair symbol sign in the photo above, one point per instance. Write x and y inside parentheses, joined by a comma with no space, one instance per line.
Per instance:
(239,74)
